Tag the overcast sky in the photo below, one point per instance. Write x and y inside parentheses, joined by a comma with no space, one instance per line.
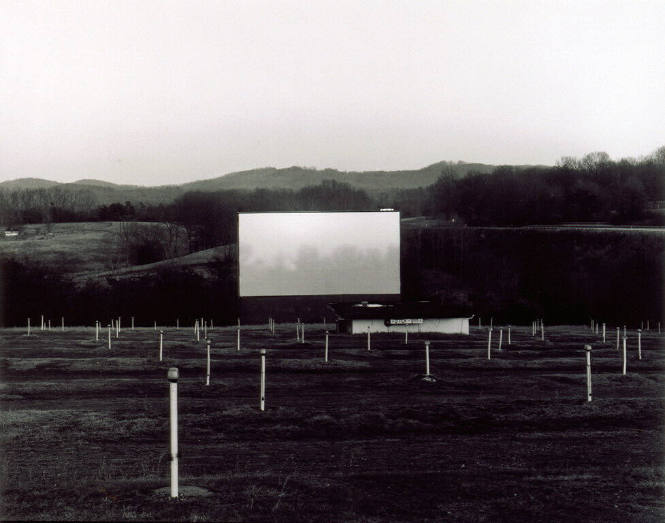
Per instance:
(159,92)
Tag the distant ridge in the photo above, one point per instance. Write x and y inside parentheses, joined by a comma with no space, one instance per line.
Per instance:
(28,183)
(293,178)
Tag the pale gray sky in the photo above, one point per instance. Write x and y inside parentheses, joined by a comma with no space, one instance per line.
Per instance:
(157,92)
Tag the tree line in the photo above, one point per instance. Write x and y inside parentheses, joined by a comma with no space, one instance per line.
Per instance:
(593,188)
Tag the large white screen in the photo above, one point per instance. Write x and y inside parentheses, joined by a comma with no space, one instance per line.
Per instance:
(316,253)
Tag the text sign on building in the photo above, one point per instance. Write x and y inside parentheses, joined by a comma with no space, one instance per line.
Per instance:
(405,321)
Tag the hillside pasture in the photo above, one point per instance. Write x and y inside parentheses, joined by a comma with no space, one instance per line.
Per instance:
(361,438)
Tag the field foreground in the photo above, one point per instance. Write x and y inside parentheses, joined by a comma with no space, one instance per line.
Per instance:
(84,428)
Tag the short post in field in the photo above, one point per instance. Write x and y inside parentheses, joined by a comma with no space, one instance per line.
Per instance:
(97,331)
(639,344)
(117,328)
(109,335)
(596,328)
(533,328)
(161,344)
(263,380)
(119,322)
(212,326)
(155,326)
(592,325)
(369,342)
(491,322)
(173,410)
(489,344)
(177,324)
(324,322)
(208,364)
(49,325)
(325,354)
(500,338)
(298,331)
(62,323)
(28,326)
(479,323)
(427,358)
(238,339)
(205,330)
(406,336)
(132,322)
(542,330)
(587,348)
(508,334)
(647,324)
(618,335)
(42,328)
(603,333)
(302,333)
(198,335)
(624,357)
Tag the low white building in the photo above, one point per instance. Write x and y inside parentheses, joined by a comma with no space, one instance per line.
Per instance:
(400,317)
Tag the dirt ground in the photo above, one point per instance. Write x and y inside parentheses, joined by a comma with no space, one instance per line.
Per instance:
(84,429)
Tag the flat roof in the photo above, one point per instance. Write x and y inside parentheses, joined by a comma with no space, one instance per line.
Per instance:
(386,311)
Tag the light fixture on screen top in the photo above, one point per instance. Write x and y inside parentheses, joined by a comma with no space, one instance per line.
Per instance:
(386,209)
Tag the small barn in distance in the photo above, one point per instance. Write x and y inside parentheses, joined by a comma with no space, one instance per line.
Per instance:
(358,318)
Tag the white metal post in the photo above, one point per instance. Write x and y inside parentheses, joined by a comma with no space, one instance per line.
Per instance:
(205,330)
(624,356)
(298,331)
(624,331)
(132,322)
(325,357)
(500,338)
(263,379)
(62,323)
(161,344)
(369,343)
(302,332)
(109,335)
(491,322)
(117,328)
(479,322)
(28,326)
(542,330)
(198,335)
(603,333)
(489,344)
(208,365)
(42,328)
(238,339)
(173,409)
(49,325)
(155,325)
(618,334)
(427,358)
(119,322)
(639,344)
(508,334)
(177,324)
(97,331)
(587,348)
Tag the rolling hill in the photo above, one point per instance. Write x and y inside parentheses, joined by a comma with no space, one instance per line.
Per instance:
(267,178)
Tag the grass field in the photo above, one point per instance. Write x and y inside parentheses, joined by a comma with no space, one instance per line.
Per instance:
(362,438)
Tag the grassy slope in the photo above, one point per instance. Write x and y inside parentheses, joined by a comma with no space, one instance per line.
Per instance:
(72,246)
(84,428)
